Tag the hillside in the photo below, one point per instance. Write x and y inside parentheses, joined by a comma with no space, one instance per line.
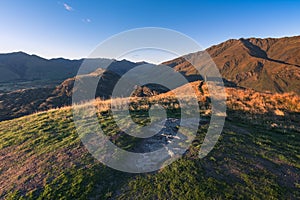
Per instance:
(39,97)
(261,64)
(41,156)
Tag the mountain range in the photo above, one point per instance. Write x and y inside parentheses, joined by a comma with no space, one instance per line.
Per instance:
(270,64)
(265,65)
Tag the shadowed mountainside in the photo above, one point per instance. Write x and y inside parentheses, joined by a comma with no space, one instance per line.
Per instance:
(26,101)
(20,66)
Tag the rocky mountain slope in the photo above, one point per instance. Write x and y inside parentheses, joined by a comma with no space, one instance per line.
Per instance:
(262,64)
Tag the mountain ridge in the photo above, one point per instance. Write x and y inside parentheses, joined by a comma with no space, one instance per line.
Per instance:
(269,64)
(261,64)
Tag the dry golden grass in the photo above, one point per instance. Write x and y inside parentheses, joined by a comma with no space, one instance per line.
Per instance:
(237,99)
(255,102)
(247,99)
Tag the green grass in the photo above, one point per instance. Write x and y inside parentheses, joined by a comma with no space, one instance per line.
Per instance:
(50,139)
(248,162)
(237,168)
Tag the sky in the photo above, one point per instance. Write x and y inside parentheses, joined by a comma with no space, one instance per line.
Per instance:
(73,28)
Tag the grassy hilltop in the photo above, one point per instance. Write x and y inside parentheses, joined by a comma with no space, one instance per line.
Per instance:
(256,157)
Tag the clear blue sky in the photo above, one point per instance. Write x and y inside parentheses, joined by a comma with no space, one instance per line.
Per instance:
(72,29)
